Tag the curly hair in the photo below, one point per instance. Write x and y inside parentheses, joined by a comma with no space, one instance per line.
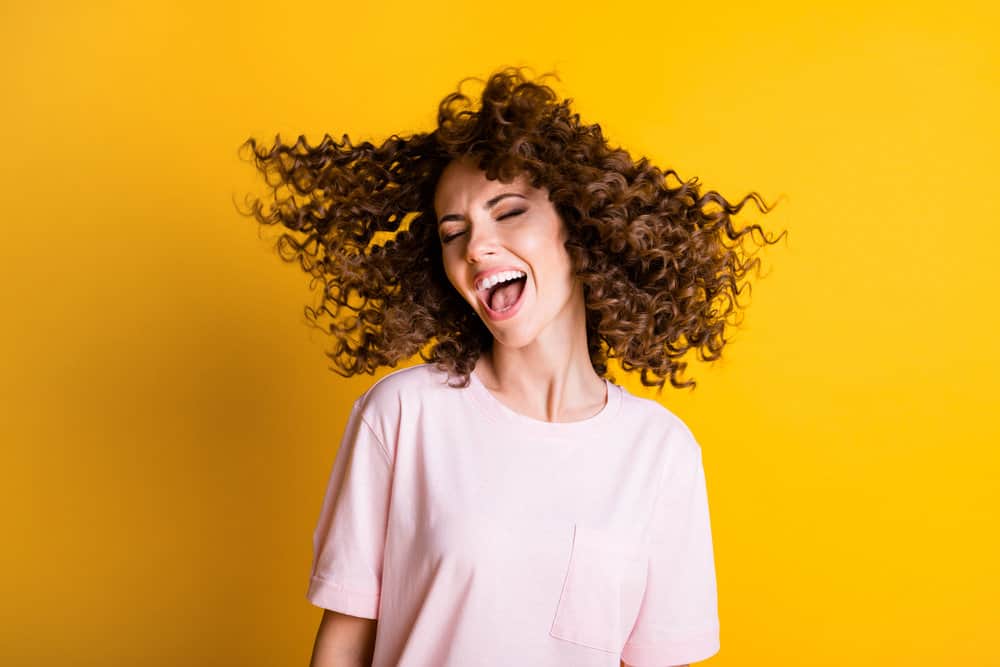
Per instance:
(658,275)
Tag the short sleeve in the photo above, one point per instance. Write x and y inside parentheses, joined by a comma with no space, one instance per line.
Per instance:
(678,620)
(349,540)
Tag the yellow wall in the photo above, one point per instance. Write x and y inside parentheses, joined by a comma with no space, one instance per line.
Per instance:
(168,418)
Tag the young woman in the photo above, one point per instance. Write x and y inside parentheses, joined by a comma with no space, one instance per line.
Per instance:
(534,513)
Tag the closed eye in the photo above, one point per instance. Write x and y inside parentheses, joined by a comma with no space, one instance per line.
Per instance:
(448,238)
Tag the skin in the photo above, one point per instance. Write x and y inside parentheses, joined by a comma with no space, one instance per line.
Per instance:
(344,641)
(539,365)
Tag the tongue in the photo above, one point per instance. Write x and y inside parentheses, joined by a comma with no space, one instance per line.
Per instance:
(506,294)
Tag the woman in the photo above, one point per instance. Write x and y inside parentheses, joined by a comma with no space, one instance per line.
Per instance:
(535,513)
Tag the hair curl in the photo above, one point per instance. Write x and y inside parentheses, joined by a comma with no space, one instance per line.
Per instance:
(658,275)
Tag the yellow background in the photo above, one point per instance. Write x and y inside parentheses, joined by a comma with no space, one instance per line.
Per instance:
(169,421)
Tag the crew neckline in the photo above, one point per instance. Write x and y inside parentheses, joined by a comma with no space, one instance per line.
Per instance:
(499,412)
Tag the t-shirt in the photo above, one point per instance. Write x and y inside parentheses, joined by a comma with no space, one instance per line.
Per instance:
(481,537)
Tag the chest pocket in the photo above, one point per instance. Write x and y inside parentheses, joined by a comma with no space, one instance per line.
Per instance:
(603,588)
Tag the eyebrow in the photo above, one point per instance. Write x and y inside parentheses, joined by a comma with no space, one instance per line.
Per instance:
(486,206)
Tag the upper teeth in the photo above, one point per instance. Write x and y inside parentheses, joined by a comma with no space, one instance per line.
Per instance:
(499,278)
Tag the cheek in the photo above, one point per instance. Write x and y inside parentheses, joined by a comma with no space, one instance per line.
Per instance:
(553,248)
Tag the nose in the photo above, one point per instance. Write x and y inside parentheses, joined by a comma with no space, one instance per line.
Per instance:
(481,242)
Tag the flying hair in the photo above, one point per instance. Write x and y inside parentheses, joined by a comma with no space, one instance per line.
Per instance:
(661,263)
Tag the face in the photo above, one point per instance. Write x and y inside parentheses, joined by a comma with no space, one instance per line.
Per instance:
(486,225)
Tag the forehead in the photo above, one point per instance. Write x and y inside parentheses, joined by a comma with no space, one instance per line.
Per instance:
(463,182)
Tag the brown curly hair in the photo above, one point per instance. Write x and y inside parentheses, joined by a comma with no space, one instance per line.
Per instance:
(658,276)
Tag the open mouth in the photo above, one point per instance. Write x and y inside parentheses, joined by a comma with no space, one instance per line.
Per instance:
(501,300)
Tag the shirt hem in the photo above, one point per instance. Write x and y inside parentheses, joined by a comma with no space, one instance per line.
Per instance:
(328,595)
(676,652)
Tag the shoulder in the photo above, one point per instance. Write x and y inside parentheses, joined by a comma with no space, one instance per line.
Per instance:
(651,418)
(399,385)
(397,398)
(672,445)
(664,449)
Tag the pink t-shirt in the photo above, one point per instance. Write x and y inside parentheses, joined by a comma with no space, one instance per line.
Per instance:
(478,536)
